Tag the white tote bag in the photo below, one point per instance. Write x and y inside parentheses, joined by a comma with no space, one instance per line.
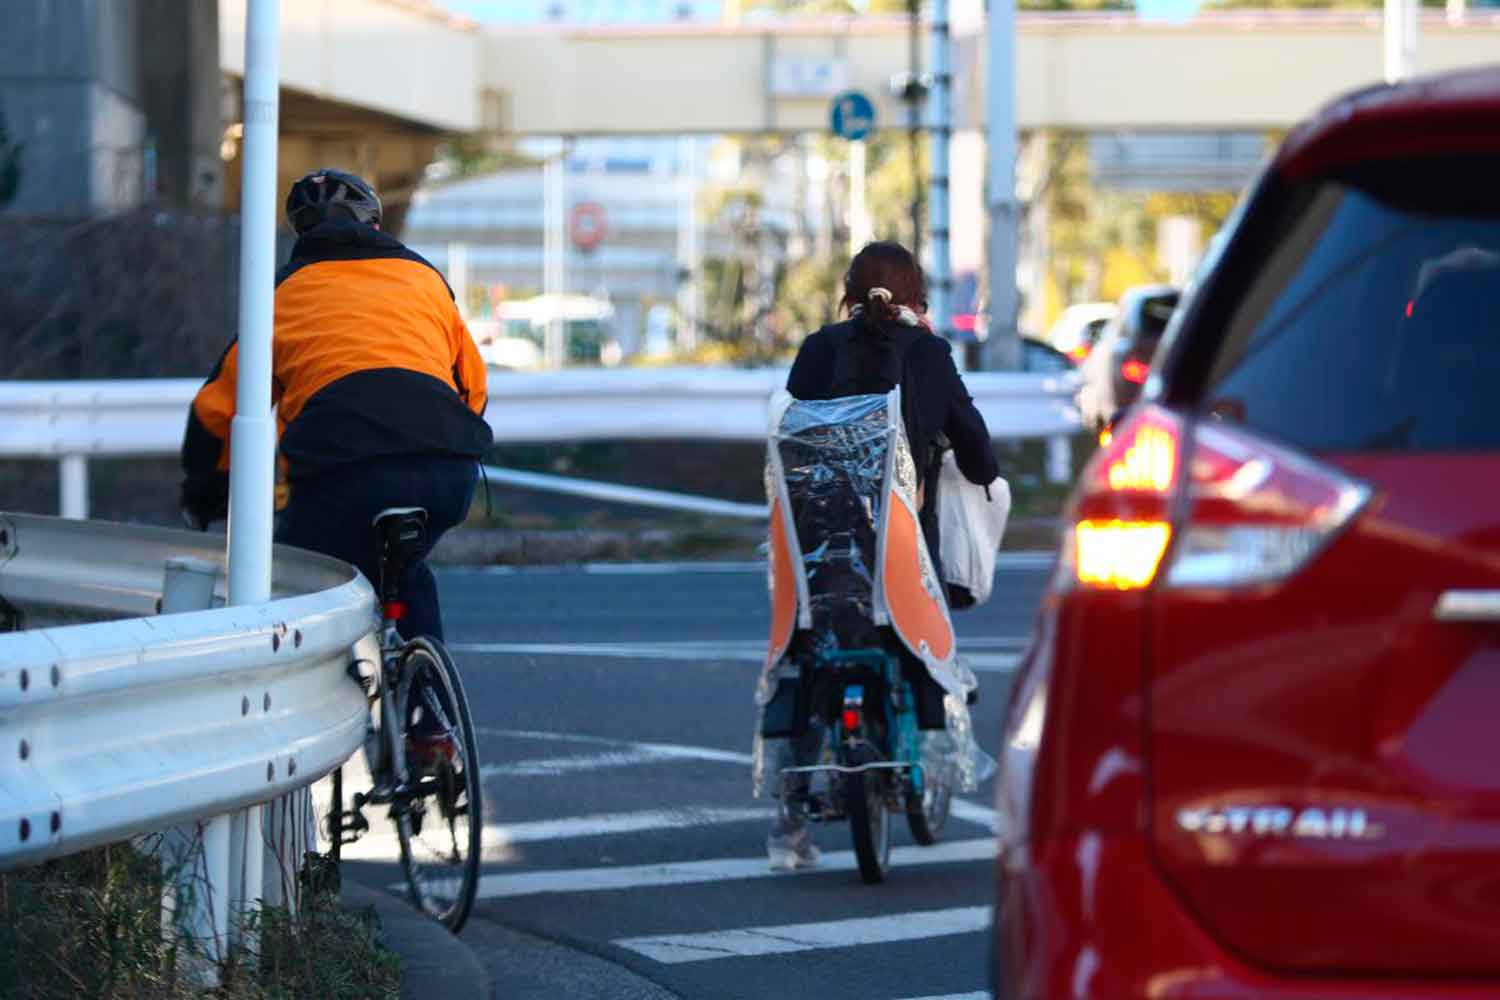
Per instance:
(971,522)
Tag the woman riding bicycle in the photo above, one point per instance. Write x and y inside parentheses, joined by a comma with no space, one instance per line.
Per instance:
(886,342)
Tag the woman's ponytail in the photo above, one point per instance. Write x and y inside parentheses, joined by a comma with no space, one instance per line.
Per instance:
(878,304)
(882,280)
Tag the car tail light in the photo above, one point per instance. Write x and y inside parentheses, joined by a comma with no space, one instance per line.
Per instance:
(1120,528)
(1135,371)
(1255,512)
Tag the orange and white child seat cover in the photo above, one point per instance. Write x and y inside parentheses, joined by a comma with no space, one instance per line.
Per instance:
(841,470)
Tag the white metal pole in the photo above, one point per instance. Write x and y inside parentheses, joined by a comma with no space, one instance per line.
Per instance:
(553,202)
(458,275)
(1400,39)
(859,204)
(940,290)
(253,435)
(1003,347)
(688,264)
(253,432)
(73,487)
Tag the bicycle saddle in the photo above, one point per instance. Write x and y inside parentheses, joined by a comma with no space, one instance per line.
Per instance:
(402,530)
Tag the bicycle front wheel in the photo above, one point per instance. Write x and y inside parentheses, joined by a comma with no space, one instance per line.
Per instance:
(440,819)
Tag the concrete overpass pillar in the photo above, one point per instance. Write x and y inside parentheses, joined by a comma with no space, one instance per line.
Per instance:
(181,97)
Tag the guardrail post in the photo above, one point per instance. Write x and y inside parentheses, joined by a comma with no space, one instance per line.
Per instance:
(197,858)
(247,850)
(291,832)
(1059,459)
(73,487)
(194,906)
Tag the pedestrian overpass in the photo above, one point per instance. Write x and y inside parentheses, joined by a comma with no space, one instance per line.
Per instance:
(376,84)
(415,67)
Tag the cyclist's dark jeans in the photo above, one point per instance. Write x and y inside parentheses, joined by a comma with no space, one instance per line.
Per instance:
(332,515)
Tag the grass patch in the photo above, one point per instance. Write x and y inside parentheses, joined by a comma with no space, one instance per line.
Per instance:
(89,925)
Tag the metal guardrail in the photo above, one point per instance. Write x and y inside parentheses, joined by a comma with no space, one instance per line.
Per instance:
(115,721)
(73,421)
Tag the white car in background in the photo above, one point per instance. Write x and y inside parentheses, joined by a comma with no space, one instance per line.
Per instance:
(1077,330)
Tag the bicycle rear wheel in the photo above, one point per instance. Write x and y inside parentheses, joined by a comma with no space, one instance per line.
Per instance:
(927,810)
(869,823)
(440,819)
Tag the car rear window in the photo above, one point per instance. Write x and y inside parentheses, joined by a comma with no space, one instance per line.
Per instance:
(1373,320)
(1150,321)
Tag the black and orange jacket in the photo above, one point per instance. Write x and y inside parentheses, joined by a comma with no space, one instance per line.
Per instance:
(370,359)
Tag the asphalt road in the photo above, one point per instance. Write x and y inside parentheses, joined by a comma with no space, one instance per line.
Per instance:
(616,719)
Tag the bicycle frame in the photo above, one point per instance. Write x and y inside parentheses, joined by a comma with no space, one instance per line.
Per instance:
(851,738)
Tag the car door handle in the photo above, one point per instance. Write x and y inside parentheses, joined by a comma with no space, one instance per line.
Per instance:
(1468,606)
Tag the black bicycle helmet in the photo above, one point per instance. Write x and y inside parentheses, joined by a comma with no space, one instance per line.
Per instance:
(331,192)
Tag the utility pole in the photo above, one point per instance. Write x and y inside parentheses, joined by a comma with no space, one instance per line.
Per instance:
(1003,346)
(1401,39)
(914,93)
(940,289)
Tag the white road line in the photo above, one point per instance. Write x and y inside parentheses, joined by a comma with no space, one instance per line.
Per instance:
(607,824)
(553,766)
(728,650)
(673,949)
(673,751)
(671,568)
(975,813)
(1034,560)
(1004,560)
(976,995)
(1003,661)
(498,840)
(992,663)
(718,870)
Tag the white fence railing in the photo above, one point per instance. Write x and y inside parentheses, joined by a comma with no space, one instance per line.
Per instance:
(73,421)
(116,721)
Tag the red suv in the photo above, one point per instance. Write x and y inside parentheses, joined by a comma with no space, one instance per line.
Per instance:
(1254,747)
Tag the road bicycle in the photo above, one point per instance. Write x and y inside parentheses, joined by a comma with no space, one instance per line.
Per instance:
(417,704)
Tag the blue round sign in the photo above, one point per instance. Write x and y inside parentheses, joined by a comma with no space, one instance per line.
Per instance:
(852,116)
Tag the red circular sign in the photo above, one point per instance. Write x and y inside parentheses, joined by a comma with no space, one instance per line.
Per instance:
(587,225)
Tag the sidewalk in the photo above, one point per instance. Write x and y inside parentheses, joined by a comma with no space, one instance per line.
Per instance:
(513,966)
(434,963)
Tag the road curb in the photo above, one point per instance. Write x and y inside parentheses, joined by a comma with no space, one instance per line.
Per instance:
(434,963)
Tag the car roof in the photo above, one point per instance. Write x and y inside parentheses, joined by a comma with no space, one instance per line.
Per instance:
(1448,114)
(1087,312)
(1133,297)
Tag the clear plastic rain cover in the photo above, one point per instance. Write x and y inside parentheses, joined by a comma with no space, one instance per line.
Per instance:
(831,456)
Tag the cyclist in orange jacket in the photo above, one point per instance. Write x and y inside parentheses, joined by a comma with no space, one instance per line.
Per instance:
(378,386)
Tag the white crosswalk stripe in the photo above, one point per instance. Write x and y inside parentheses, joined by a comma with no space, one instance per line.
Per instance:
(784,939)
(1029,560)
(981,658)
(608,824)
(719,870)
